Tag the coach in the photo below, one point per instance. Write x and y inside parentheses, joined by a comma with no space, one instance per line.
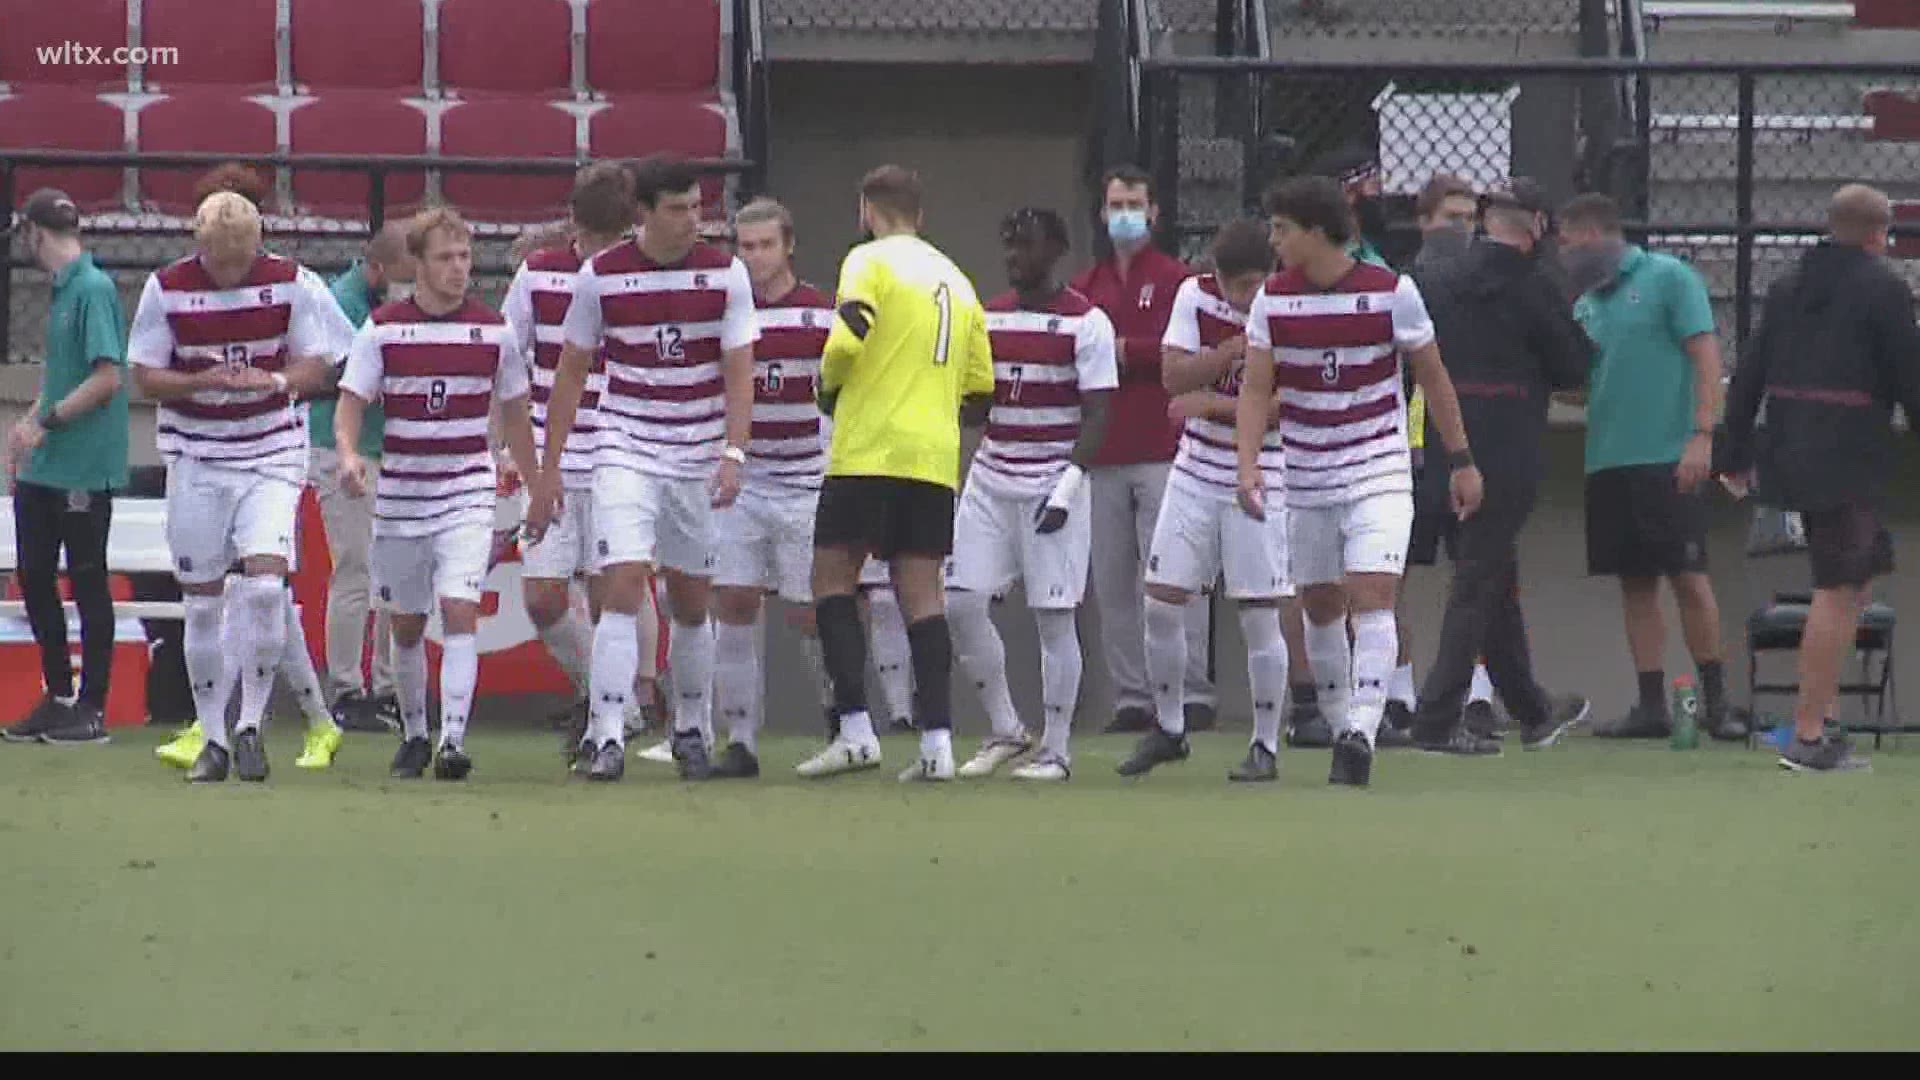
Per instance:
(348,521)
(1509,341)
(1135,286)
(1650,413)
(1836,350)
(67,456)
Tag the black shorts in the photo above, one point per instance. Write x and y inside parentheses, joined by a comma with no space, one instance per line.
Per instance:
(1849,546)
(885,516)
(1640,525)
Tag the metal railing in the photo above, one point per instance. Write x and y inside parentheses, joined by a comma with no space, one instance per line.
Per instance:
(751,93)
(116,239)
(1728,164)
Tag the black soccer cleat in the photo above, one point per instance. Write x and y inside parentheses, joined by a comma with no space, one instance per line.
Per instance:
(49,714)
(736,763)
(1156,747)
(1307,728)
(1396,726)
(411,760)
(86,724)
(1456,741)
(1482,720)
(609,763)
(250,756)
(1352,760)
(1259,767)
(452,763)
(1565,714)
(690,755)
(211,766)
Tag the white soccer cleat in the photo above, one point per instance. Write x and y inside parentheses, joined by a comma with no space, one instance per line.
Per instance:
(842,755)
(660,753)
(1046,767)
(934,769)
(994,753)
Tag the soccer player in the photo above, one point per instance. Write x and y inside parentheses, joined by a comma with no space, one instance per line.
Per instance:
(1326,331)
(1201,534)
(225,340)
(768,532)
(909,341)
(675,317)
(439,363)
(535,306)
(1026,509)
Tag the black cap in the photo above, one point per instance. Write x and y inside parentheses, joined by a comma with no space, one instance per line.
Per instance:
(52,210)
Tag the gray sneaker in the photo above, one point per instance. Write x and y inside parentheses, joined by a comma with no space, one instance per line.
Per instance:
(1156,747)
(1260,766)
(49,714)
(1566,713)
(85,724)
(1832,753)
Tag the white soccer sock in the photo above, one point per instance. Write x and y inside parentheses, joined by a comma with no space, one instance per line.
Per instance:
(459,668)
(857,727)
(935,741)
(1167,662)
(690,658)
(569,642)
(1400,686)
(207,665)
(616,656)
(1330,656)
(1266,672)
(410,686)
(1060,664)
(1375,644)
(736,680)
(1482,688)
(817,667)
(983,658)
(260,610)
(892,658)
(296,667)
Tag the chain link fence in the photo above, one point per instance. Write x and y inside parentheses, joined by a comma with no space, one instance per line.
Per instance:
(1429,18)
(1728,166)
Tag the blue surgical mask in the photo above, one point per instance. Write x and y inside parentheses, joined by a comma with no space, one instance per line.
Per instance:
(1126,226)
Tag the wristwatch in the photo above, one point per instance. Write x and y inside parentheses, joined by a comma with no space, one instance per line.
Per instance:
(735,455)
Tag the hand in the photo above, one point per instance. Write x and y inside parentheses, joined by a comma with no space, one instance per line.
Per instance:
(506,475)
(726,484)
(1186,406)
(353,474)
(26,437)
(1049,519)
(1467,488)
(1253,492)
(1234,348)
(545,497)
(1739,485)
(1695,462)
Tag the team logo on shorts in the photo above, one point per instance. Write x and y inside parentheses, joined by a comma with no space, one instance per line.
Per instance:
(475,335)
(266,296)
(1053,326)
(699,281)
(386,593)
(806,318)
(604,548)
(1361,304)
(185,564)
(1153,562)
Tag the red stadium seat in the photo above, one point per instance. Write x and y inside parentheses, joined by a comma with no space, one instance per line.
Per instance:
(641,124)
(370,44)
(228,44)
(345,122)
(645,45)
(1906,212)
(199,120)
(26,26)
(505,128)
(506,46)
(66,118)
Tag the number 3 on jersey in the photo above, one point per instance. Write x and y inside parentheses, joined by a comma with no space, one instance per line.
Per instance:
(668,343)
(943,336)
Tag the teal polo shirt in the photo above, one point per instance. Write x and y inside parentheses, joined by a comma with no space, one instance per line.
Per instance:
(356,299)
(1640,396)
(85,326)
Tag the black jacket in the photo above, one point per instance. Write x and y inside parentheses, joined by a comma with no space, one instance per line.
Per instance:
(1837,349)
(1509,339)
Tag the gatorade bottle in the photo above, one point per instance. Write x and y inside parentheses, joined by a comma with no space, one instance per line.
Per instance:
(1686,714)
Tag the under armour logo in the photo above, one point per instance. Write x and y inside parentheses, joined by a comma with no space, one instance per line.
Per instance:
(1153,562)
(604,548)
(386,593)
(699,281)
(1053,326)
(266,296)
(474,335)
(186,565)
(1362,305)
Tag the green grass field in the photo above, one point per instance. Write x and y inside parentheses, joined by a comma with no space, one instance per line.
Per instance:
(1588,896)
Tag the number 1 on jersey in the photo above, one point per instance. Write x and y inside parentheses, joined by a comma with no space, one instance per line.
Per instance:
(943,337)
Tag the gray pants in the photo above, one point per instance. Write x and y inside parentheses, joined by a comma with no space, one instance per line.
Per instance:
(349,526)
(1126,504)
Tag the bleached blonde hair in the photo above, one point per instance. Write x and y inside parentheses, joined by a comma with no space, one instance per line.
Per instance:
(227,220)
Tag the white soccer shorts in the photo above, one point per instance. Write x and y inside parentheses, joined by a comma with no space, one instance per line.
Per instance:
(1366,536)
(875,574)
(1201,535)
(411,572)
(642,518)
(766,542)
(218,515)
(567,547)
(995,542)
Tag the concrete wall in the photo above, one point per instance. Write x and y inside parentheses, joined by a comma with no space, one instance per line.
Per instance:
(985,139)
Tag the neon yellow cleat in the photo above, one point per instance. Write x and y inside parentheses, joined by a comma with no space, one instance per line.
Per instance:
(322,743)
(183,748)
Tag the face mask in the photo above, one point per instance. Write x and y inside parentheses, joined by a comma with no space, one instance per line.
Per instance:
(1126,227)
(1590,267)
(1371,216)
(1449,242)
